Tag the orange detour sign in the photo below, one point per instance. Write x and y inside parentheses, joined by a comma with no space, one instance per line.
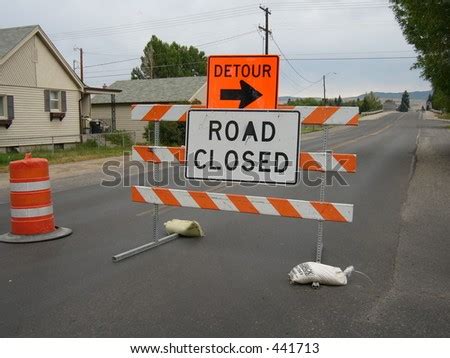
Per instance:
(243,81)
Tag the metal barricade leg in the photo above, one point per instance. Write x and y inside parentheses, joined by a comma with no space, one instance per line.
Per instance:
(156,242)
(319,244)
(156,174)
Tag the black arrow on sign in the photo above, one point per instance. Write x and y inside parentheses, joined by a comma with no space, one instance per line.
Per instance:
(247,94)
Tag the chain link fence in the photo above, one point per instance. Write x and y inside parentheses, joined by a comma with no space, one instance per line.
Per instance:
(122,139)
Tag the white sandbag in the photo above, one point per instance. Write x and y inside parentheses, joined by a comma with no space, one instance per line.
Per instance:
(309,272)
(184,228)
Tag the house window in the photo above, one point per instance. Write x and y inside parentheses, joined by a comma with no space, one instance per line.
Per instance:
(55,101)
(3,112)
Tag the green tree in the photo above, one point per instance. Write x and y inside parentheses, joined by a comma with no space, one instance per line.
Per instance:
(369,103)
(137,74)
(440,101)
(309,101)
(161,60)
(171,133)
(426,25)
(404,104)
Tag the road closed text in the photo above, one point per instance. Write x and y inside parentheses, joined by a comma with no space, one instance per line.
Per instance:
(247,160)
(256,146)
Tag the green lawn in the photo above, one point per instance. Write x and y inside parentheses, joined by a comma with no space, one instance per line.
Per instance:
(84,151)
(310,129)
(89,150)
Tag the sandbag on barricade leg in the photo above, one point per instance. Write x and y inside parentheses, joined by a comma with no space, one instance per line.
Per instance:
(184,228)
(309,272)
(175,229)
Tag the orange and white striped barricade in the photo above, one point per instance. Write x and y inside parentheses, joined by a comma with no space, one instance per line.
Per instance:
(310,115)
(310,161)
(291,208)
(32,218)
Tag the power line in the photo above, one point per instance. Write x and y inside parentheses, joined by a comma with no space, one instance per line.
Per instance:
(328,6)
(309,86)
(106,54)
(288,62)
(225,39)
(348,58)
(115,75)
(157,24)
(108,70)
(294,84)
(204,44)
(158,66)
(113,62)
(206,17)
(350,53)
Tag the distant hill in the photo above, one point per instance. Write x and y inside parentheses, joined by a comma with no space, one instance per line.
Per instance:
(414,95)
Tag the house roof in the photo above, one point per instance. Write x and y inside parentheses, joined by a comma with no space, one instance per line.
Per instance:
(98,90)
(159,90)
(11,37)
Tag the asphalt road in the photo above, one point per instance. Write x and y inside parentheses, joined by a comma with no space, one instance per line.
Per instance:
(234,281)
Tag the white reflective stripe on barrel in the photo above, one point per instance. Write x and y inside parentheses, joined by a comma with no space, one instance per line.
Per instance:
(32,212)
(30,186)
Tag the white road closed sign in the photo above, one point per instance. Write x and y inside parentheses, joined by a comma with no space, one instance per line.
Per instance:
(244,146)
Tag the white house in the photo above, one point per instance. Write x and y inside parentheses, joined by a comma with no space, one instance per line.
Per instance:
(42,99)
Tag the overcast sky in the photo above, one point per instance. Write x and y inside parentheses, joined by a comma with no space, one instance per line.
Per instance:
(117,30)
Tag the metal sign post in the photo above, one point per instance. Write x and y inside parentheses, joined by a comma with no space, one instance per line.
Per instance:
(156,174)
(323,179)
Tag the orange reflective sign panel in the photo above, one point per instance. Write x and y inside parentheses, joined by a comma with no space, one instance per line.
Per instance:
(243,81)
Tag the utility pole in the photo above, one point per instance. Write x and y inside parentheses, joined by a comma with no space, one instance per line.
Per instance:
(266,28)
(81,65)
(324,86)
(81,62)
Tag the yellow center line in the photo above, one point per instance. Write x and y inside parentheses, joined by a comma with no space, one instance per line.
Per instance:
(367,135)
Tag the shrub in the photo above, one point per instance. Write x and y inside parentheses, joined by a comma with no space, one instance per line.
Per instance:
(170,133)
(119,138)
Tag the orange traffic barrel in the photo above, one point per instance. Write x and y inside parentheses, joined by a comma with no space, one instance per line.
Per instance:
(32,216)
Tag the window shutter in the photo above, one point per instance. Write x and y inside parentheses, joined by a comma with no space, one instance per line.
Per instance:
(10,106)
(63,102)
(46,100)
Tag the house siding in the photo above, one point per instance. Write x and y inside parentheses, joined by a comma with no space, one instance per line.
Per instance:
(32,125)
(49,72)
(25,75)
(20,69)
(123,118)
